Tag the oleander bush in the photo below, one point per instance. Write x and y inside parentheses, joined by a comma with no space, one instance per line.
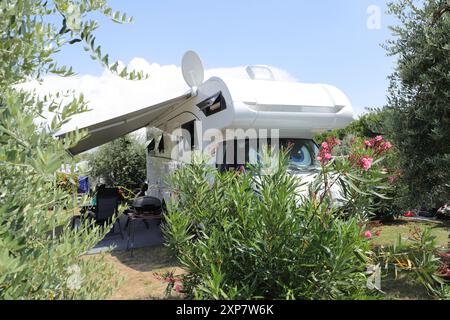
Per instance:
(419,259)
(369,126)
(254,235)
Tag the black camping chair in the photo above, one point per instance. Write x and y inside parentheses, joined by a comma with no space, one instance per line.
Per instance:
(107,206)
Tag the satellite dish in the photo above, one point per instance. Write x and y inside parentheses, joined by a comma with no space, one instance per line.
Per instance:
(192,69)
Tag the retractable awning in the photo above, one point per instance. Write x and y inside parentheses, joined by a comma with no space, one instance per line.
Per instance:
(111,129)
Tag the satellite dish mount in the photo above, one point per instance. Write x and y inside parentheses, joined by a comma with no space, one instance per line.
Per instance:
(192,69)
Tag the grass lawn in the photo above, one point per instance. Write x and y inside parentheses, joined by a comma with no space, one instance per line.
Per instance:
(403,288)
(137,272)
(139,281)
(403,226)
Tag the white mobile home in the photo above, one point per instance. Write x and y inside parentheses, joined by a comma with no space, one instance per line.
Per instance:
(229,119)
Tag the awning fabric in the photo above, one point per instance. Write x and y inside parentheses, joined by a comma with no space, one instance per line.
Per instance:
(103,132)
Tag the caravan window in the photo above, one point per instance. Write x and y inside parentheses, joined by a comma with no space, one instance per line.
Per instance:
(213,104)
(161,144)
(151,145)
(236,153)
(190,128)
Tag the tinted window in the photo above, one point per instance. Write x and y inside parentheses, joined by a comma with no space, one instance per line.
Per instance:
(213,104)
(190,127)
(235,154)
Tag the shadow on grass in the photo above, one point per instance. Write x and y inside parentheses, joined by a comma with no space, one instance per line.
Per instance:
(147,258)
(440,224)
(397,222)
(404,288)
(139,273)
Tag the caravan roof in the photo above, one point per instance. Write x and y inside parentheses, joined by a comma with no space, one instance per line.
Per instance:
(277,93)
(297,109)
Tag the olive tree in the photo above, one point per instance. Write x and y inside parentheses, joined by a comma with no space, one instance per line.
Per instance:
(120,162)
(419,96)
(41,257)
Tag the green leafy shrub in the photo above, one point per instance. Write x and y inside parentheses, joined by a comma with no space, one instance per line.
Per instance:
(120,162)
(418,100)
(360,175)
(421,260)
(368,125)
(366,128)
(41,257)
(67,181)
(37,244)
(254,235)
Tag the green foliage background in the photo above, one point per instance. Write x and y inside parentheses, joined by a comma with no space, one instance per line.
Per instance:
(368,125)
(41,257)
(254,235)
(419,99)
(120,162)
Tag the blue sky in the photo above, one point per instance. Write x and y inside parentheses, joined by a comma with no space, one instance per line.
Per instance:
(324,41)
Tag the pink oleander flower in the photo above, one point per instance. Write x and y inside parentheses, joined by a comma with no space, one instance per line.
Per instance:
(326,148)
(368,234)
(324,157)
(368,143)
(366,163)
(386,146)
(378,138)
(332,142)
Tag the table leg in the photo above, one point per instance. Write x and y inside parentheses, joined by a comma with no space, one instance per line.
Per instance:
(133,226)
(129,233)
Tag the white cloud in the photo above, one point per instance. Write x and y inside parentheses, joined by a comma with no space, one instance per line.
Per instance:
(111,96)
